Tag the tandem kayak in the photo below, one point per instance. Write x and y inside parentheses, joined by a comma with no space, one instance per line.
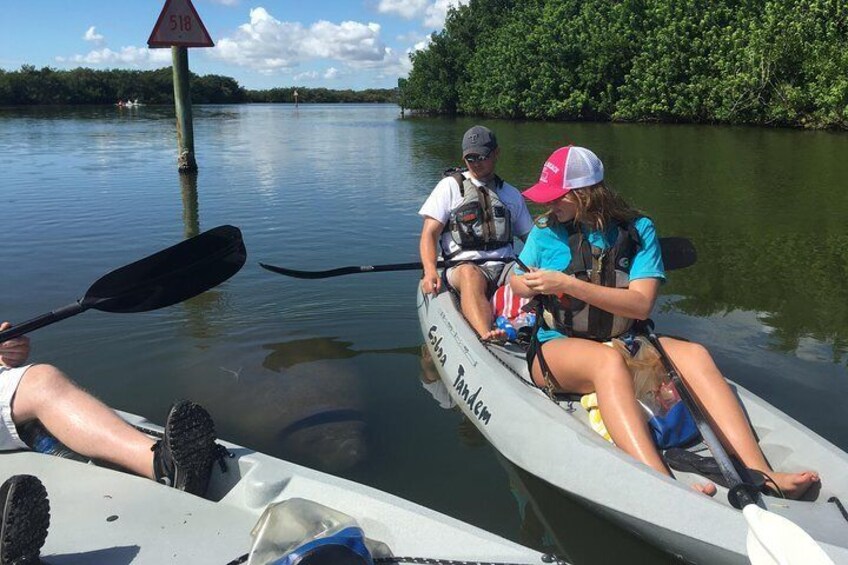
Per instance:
(99,515)
(553,441)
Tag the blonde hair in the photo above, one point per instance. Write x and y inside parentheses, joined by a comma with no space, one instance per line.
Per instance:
(597,207)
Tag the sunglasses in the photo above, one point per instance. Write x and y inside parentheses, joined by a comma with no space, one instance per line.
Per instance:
(477,158)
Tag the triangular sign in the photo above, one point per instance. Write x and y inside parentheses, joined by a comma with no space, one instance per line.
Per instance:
(179,25)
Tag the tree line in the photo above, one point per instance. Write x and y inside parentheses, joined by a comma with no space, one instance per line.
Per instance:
(32,86)
(765,62)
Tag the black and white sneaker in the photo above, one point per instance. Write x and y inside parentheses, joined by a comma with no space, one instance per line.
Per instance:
(25,519)
(184,456)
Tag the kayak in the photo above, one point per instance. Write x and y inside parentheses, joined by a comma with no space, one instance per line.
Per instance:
(553,441)
(100,515)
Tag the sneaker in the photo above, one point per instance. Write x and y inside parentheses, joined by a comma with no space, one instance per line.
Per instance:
(25,518)
(184,456)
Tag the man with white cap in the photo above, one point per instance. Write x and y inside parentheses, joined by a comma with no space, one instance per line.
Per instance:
(471,216)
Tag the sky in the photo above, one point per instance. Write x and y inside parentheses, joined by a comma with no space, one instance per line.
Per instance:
(335,44)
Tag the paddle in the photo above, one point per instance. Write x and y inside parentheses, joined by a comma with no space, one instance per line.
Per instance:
(772,539)
(164,278)
(677,253)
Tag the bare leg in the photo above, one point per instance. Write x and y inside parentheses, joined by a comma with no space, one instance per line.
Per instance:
(80,421)
(722,408)
(583,366)
(471,284)
(607,375)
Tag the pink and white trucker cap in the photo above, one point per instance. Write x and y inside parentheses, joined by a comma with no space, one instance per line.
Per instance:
(566,169)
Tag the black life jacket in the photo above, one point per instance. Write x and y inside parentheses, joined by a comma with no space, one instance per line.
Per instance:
(607,267)
(481,222)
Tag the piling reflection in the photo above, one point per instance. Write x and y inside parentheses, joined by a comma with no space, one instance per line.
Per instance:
(202,310)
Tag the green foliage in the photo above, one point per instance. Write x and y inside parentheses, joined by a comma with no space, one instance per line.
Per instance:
(322,95)
(31,86)
(772,62)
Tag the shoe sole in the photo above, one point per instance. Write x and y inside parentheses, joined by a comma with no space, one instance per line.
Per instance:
(190,436)
(26,517)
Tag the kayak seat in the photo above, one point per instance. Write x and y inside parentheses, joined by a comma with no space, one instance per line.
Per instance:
(567,396)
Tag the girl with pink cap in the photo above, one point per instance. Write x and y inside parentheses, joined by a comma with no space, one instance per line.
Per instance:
(596,264)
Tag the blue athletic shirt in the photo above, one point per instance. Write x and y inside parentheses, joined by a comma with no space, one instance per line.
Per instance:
(547,248)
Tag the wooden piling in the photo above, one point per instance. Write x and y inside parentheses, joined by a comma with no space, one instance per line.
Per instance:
(182,103)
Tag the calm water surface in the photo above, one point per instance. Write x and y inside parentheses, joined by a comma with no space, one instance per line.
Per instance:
(83,191)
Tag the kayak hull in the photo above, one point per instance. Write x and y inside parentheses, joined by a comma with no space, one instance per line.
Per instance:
(553,441)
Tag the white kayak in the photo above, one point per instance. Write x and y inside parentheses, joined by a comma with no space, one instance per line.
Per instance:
(553,441)
(99,515)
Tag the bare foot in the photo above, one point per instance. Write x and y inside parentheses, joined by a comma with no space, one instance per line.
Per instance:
(708,489)
(496,334)
(793,485)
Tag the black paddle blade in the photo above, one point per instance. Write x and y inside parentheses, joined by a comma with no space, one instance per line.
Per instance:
(171,275)
(677,253)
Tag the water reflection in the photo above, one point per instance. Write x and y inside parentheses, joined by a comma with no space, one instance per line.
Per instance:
(431,382)
(550,520)
(287,354)
(204,310)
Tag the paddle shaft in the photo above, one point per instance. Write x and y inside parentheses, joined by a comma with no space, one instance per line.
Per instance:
(710,438)
(341,271)
(41,321)
(677,253)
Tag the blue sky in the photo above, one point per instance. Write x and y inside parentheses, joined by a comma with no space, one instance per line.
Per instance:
(262,44)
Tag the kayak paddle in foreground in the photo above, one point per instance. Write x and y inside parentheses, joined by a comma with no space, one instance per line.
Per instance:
(772,539)
(167,277)
(677,253)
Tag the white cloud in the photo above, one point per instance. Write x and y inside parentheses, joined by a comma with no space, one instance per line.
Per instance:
(308,75)
(412,37)
(92,35)
(134,56)
(420,45)
(434,16)
(431,12)
(408,9)
(267,44)
(331,73)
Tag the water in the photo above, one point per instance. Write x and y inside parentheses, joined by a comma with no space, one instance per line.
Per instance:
(328,372)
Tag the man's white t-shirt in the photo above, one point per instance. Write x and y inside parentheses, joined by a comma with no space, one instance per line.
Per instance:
(446,196)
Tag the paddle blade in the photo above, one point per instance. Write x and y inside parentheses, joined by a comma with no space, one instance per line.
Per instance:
(171,275)
(772,540)
(677,253)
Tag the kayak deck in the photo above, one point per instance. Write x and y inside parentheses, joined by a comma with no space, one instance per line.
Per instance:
(99,515)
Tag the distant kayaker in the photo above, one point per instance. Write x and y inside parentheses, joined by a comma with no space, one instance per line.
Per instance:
(473,215)
(596,263)
(183,458)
